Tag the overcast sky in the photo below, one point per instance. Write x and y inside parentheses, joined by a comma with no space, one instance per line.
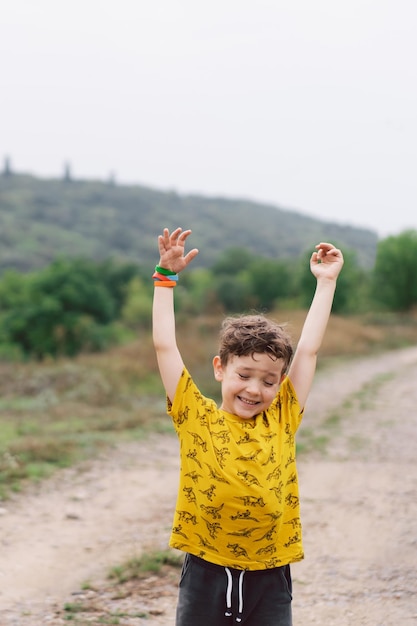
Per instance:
(309,105)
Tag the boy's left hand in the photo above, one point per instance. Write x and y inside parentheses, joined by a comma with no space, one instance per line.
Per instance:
(327,261)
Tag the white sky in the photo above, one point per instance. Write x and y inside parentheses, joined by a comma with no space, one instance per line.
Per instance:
(309,105)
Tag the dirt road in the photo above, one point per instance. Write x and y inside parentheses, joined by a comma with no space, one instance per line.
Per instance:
(359,511)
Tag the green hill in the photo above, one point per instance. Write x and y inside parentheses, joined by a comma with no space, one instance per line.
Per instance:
(41,219)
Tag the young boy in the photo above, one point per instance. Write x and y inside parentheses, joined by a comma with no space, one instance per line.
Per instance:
(237,514)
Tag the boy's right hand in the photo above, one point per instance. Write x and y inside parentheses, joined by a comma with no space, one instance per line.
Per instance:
(171,250)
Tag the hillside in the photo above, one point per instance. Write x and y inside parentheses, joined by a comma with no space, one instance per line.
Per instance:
(41,219)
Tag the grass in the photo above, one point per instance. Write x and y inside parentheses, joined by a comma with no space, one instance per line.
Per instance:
(74,611)
(317,438)
(88,610)
(148,563)
(109,619)
(57,413)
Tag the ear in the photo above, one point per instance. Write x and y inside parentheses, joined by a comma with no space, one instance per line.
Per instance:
(217,367)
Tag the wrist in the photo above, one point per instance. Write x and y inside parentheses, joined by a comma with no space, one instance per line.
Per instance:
(326,284)
(163,277)
(161,269)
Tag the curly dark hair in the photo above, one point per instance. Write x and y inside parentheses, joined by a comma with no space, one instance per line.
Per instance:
(249,334)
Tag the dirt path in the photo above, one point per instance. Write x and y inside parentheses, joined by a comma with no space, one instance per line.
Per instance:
(359,512)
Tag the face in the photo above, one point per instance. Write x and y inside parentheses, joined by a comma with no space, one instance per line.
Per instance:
(249,383)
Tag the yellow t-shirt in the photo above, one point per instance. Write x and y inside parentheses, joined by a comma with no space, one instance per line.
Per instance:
(238,502)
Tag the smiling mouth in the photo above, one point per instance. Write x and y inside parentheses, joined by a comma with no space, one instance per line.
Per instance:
(248,402)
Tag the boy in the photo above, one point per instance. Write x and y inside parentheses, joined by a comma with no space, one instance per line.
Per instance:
(237,514)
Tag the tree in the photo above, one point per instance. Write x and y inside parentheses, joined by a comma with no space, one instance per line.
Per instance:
(13,290)
(67,173)
(7,169)
(78,285)
(232,261)
(234,292)
(270,281)
(394,279)
(137,308)
(196,292)
(63,309)
(117,278)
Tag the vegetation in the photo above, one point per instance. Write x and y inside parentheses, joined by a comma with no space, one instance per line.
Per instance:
(395,276)
(319,438)
(55,414)
(41,220)
(73,610)
(126,579)
(65,308)
(78,305)
(148,563)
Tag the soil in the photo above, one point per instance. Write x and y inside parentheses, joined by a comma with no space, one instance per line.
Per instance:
(59,540)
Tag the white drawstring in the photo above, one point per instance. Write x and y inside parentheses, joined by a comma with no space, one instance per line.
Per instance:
(239,617)
(229,590)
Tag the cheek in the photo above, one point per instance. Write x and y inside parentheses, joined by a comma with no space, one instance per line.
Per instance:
(233,385)
(270,393)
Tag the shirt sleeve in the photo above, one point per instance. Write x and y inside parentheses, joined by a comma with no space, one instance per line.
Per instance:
(187,400)
(289,405)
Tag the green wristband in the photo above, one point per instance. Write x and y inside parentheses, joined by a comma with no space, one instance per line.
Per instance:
(162,270)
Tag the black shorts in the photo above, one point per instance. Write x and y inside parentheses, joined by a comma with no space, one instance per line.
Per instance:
(211,595)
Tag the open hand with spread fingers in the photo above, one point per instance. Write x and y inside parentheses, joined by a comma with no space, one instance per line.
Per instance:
(172,250)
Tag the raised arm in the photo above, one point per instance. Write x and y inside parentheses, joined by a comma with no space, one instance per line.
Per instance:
(171,258)
(325,265)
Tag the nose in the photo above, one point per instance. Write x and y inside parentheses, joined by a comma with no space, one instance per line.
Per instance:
(253,387)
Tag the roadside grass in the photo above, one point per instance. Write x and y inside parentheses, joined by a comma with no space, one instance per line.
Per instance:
(56,414)
(150,562)
(124,580)
(318,438)
(74,613)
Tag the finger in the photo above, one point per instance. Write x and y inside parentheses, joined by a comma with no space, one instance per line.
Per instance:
(175,235)
(327,249)
(165,237)
(182,238)
(190,255)
(161,244)
(332,252)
